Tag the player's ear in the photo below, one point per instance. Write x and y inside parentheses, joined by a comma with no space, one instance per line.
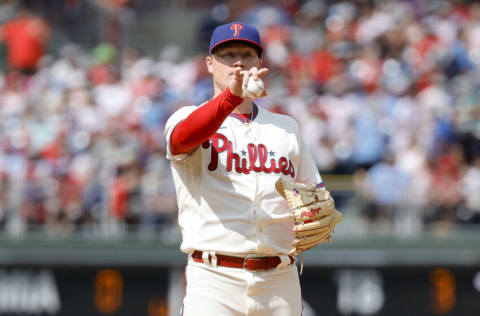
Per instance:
(209,62)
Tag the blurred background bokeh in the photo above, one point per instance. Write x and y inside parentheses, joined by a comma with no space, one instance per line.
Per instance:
(387,94)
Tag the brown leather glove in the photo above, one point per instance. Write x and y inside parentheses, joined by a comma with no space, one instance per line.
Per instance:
(313,212)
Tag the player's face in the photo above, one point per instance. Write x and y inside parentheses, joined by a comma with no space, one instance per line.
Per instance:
(226,58)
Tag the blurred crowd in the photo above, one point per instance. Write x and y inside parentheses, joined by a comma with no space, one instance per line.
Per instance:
(385,91)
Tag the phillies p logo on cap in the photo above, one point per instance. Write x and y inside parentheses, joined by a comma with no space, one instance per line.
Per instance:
(235,31)
(236,27)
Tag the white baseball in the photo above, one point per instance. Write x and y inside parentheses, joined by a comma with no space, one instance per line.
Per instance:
(255,88)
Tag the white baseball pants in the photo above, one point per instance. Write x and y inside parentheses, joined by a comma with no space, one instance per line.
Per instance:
(223,291)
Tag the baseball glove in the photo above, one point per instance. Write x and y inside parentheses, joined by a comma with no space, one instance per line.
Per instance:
(313,212)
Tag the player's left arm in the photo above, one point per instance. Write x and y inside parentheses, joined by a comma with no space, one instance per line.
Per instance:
(307,171)
(313,211)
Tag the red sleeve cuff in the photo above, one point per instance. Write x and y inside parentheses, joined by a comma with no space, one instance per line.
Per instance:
(232,98)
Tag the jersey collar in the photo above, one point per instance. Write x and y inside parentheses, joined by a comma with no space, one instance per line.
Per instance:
(246,118)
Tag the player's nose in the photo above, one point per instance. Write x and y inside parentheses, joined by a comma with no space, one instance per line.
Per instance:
(238,63)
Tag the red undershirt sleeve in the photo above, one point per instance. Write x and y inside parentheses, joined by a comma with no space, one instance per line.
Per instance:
(202,123)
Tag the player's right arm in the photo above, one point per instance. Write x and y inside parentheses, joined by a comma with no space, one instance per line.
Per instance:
(202,123)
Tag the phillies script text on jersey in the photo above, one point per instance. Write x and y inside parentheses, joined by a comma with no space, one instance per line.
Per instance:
(256,153)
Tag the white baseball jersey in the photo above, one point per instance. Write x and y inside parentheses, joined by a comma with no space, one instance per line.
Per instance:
(226,187)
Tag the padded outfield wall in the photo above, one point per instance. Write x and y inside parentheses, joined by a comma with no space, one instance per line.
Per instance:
(374,276)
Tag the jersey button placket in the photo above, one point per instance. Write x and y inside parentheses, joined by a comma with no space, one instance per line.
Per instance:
(257,204)
(257,222)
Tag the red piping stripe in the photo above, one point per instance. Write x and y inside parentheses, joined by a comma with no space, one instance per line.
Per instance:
(237,39)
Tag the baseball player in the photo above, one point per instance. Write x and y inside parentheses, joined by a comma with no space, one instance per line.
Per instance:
(226,157)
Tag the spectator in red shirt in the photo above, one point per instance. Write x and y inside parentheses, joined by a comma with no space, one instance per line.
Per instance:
(25,37)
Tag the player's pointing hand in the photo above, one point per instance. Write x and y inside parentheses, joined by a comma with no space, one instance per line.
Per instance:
(236,82)
(239,81)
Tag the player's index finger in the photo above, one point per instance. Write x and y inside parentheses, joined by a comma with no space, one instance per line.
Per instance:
(237,73)
(254,72)
(246,75)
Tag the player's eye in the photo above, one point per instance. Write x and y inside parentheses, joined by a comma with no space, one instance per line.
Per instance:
(224,54)
(227,54)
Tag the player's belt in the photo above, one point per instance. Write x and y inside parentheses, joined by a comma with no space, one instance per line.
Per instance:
(257,263)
